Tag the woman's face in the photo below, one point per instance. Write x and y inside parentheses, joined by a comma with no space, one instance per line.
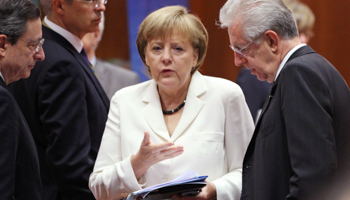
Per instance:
(170,60)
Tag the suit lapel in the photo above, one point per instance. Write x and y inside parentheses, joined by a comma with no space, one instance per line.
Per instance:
(301,51)
(267,102)
(51,35)
(153,112)
(193,105)
(2,83)
(192,108)
(154,116)
(251,145)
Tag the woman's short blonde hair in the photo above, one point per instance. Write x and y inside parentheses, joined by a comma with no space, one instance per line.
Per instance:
(160,24)
(304,17)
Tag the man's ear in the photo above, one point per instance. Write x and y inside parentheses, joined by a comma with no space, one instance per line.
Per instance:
(3,45)
(58,6)
(272,39)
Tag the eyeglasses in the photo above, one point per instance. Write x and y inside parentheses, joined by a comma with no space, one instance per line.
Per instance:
(39,45)
(95,3)
(240,51)
(34,46)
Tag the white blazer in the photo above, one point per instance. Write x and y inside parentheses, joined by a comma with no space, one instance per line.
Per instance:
(215,129)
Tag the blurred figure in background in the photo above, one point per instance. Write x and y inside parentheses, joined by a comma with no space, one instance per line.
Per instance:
(20,49)
(112,77)
(304,17)
(255,91)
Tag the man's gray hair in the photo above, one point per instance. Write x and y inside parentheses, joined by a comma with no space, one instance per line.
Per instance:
(259,16)
(46,5)
(14,15)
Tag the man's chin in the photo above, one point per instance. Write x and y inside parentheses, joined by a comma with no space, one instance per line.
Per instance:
(260,78)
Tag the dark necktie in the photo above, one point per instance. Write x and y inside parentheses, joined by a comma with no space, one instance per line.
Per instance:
(83,53)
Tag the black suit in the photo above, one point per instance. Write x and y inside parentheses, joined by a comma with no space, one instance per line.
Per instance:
(301,141)
(19,163)
(66,109)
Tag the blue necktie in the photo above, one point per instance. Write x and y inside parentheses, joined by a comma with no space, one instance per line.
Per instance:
(83,53)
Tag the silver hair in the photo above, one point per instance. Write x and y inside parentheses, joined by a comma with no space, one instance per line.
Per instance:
(259,16)
(46,5)
(14,15)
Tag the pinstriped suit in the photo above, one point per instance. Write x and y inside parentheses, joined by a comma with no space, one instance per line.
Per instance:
(301,140)
(19,162)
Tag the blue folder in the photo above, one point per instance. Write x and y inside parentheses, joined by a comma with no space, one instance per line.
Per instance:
(181,186)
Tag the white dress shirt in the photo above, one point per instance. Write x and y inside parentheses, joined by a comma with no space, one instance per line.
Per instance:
(2,77)
(74,40)
(285,59)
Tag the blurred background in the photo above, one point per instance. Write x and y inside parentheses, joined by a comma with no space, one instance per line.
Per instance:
(123,17)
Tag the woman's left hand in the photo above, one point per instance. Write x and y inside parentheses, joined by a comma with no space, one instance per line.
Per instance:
(208,193)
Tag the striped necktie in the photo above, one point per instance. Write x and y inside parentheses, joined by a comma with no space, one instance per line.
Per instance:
(83,53)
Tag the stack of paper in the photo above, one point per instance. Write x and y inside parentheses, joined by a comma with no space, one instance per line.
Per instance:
(189,183)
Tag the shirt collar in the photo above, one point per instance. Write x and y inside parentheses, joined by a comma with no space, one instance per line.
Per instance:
(2,77)
(93,61)
(285,59)
(74,40)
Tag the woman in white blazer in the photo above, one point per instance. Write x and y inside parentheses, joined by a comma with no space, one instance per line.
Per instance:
(179,120)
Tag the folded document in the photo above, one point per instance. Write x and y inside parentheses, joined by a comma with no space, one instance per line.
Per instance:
(189,183)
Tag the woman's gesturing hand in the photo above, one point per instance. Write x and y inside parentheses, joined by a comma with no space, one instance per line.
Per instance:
(150,154)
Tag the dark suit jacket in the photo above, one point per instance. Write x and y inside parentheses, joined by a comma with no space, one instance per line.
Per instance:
(19,162)
(66,109)
(301,140)
(255,91)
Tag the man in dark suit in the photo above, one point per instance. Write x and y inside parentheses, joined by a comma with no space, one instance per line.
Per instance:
(112,77)
(255,91)
(63,102)
(20,48)
(301,140)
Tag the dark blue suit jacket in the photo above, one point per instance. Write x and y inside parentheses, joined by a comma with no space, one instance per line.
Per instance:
(19,162)
(301,141)
(66,109)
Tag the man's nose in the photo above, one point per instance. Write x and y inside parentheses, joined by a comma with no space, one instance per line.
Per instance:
(100,6)
(239,59)
(40,55)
